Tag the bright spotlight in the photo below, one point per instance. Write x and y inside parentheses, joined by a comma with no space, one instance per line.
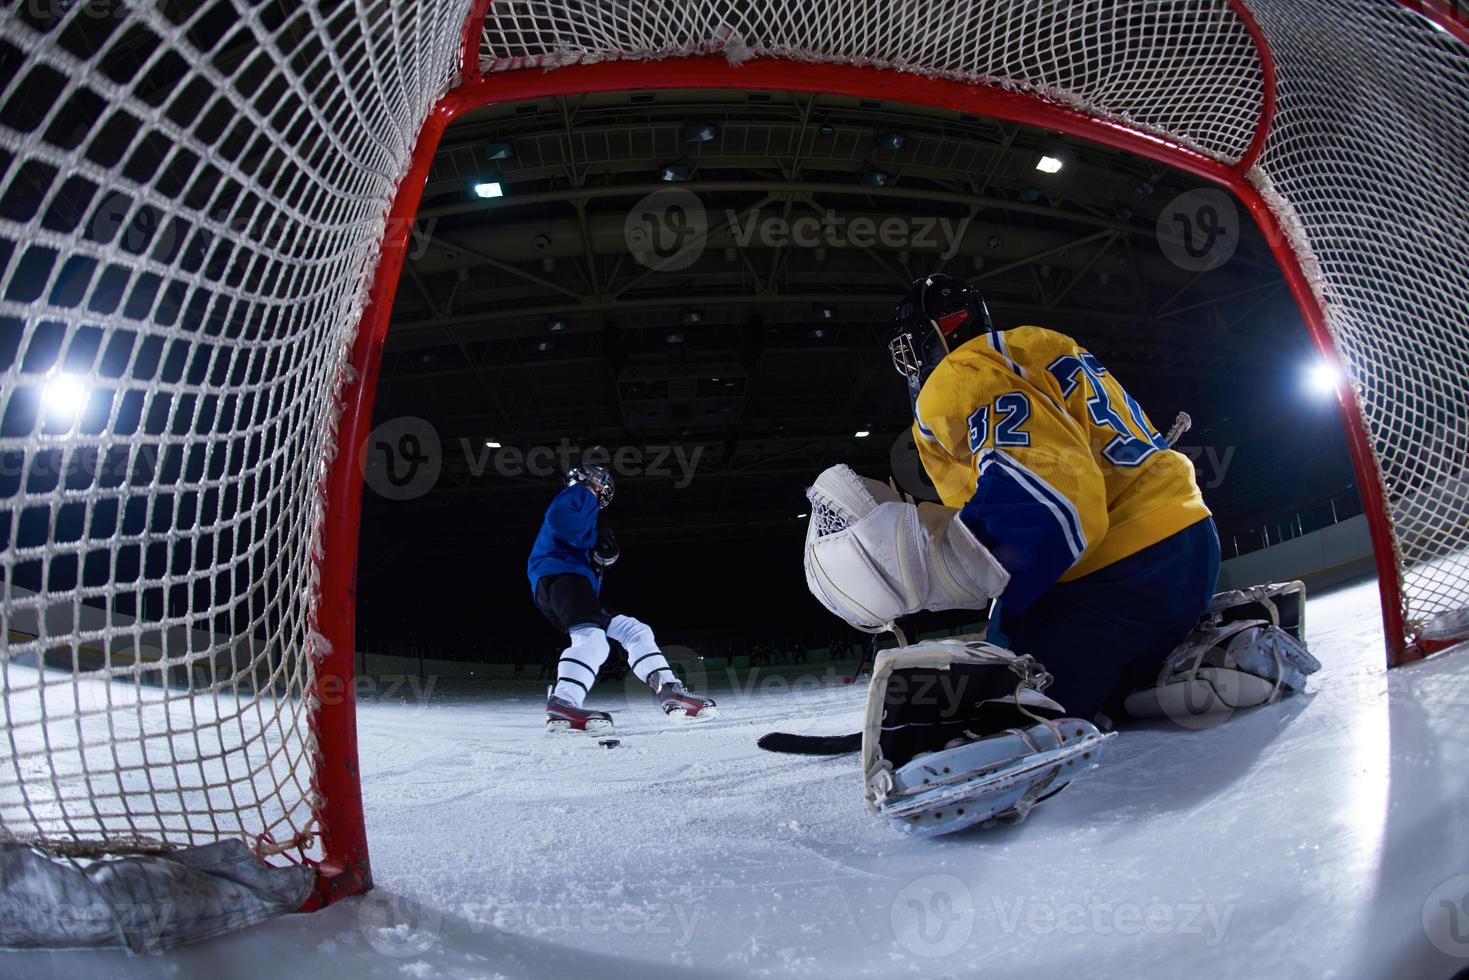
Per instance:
(64,398)
(491,444)
(488,189)
(1323,378)
(862,433)
(1048,165)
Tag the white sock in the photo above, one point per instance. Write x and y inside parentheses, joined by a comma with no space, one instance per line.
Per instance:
(643,655)
(576,671)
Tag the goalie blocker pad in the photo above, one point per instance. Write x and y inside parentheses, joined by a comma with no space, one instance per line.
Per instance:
(1248,650)
(959,733)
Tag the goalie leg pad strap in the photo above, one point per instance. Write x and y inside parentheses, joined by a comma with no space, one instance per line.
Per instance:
(959,733)
(1219,668)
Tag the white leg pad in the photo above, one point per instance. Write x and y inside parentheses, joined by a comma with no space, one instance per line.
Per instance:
(576,671)
(643,655)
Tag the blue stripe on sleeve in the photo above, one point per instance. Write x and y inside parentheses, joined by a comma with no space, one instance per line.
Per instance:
(1032,530)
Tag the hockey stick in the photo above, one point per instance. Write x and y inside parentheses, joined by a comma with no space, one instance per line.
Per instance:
(811,744)
(824,744)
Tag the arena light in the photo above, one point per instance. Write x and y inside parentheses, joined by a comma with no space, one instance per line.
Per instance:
(700,132)
(1323,377)
(491,444)
(64,397)
(862,433)
(1048,165)
(487,189)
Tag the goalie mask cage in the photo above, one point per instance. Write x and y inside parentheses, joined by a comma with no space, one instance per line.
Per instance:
(203,218)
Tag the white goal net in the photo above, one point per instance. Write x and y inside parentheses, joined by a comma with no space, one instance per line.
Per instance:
(193,204)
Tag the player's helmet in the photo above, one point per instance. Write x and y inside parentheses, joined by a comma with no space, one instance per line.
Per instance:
(938,314)
(596,478)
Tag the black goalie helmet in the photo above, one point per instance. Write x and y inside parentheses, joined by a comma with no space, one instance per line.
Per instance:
(938,314)
(596,478)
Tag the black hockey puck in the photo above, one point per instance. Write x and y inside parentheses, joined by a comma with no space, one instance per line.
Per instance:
(609,743)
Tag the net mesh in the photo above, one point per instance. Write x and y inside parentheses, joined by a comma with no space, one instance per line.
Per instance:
(1187,70)
(191,207)
(1367,158)
(193,198)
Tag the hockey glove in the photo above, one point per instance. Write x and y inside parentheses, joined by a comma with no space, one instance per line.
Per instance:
(872,557)
(606,551)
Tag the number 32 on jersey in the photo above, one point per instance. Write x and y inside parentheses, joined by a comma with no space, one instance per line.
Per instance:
(1105,398)
(1011,412)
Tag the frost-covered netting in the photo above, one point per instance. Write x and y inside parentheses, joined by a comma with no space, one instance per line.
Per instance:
(1189,70)
(1365,163)
(192,202)
(1370,150)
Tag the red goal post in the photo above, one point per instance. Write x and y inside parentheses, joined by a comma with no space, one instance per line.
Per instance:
(1337,123)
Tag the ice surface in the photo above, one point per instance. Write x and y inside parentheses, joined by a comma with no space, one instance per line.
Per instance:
(1320,837)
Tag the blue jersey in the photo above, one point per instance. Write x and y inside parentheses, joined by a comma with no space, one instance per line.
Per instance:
(567,537)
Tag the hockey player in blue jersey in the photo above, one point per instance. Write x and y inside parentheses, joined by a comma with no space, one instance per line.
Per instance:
(571,554)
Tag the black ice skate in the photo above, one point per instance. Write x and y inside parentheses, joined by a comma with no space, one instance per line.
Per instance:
(565,718)
(678,703)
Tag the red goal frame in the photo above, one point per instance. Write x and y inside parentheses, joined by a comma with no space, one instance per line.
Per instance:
(344,868)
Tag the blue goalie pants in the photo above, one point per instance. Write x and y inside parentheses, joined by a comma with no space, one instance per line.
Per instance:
(1107,633)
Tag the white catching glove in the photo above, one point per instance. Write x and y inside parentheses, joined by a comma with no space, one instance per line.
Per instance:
(872,557)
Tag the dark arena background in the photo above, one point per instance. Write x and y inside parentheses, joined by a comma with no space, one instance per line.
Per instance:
(751,353)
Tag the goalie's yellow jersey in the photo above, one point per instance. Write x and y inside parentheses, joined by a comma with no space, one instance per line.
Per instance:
(1054,465)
